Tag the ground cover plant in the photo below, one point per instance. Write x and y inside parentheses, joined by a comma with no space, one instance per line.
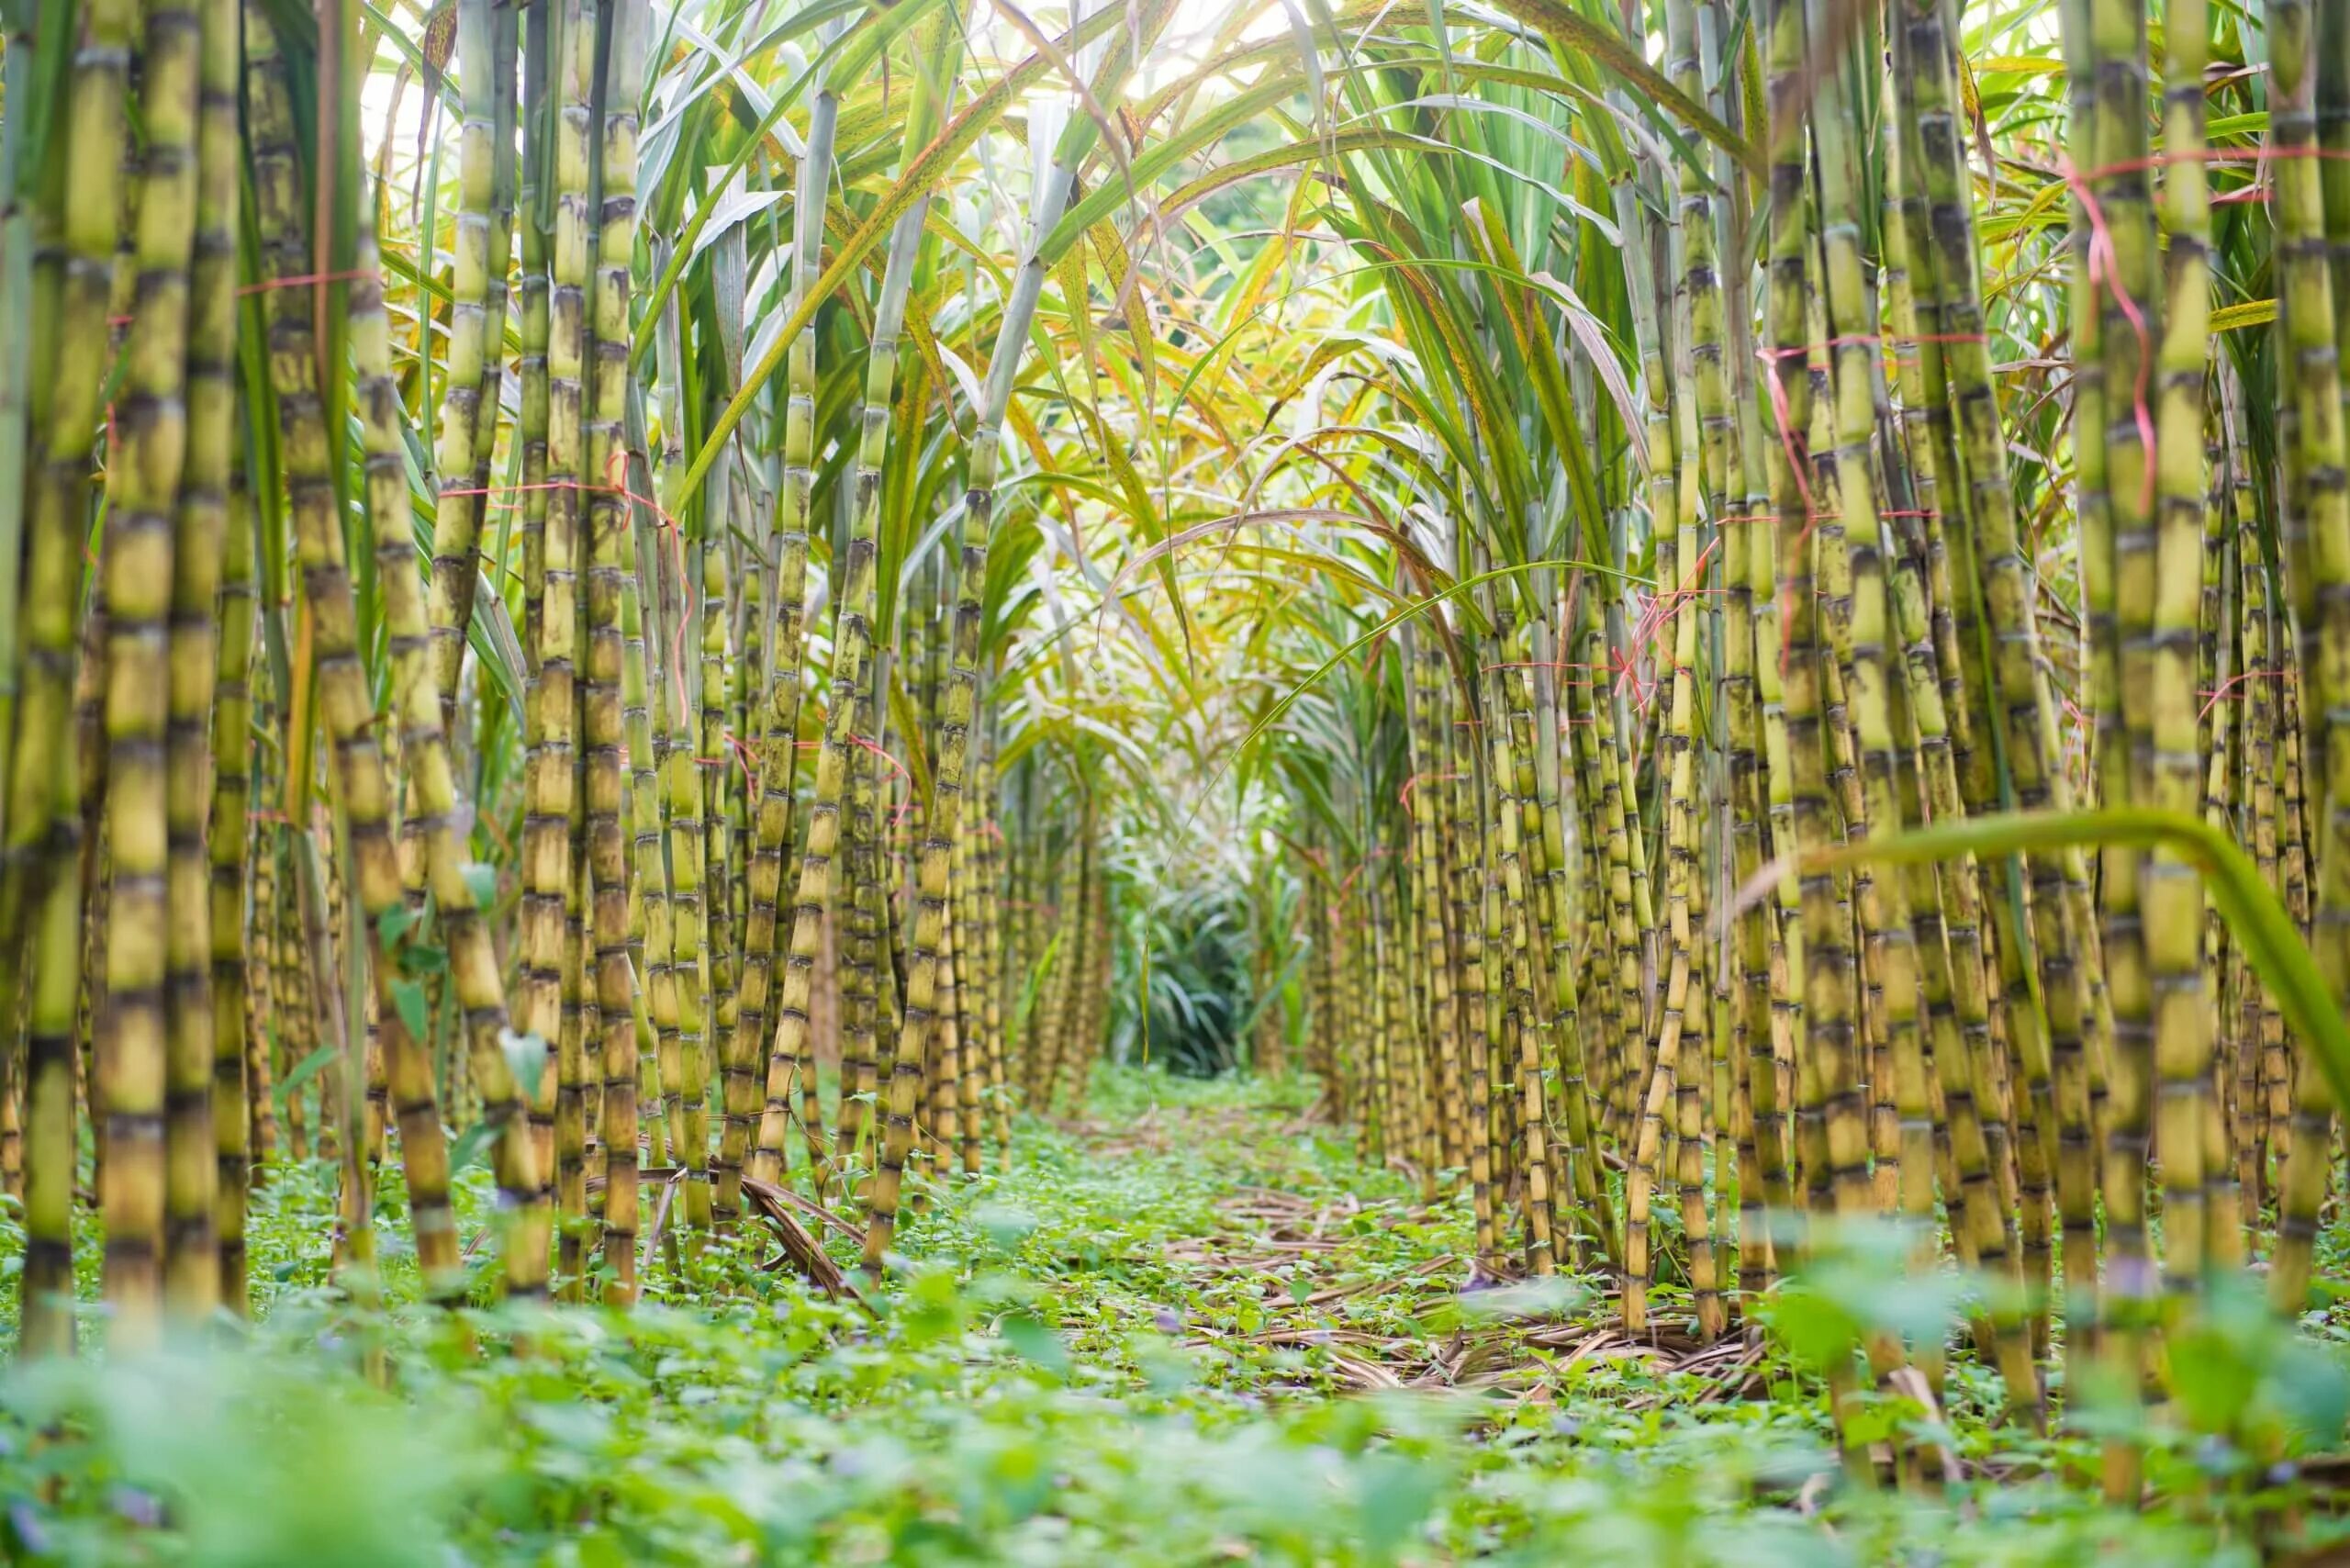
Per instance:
(1095,1362)
(941,781)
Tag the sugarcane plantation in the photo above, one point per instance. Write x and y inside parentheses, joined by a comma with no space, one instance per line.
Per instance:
(1178,780)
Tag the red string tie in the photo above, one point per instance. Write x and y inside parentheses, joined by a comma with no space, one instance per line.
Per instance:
(304,280)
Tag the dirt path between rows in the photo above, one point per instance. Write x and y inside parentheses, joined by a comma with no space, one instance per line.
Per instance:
(1326,1281)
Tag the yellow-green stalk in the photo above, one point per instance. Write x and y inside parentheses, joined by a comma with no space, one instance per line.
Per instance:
(763,932)
(550,704)
(144,1053)
(199,1273)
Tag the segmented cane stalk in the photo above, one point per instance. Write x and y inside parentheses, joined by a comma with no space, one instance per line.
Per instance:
(152,1221)
(971,1050)
(1691,1071)
(1431,896)
(994,1020)
(1514,780)
(12,1126)
(505,25)
(2111,297)
(945,1068)
(851,644)
(1386,1130)
(2172,891)
(956,709)
(2293,801)
(1861,626)
(764,936)
(1550,998)
(860,1071)
(2232,1145)
(2006,653)
(740,733)
(2263,1022)
(197,1272)
(1097,990)
(1886,912)
(53,950)
(241,1147)
(473,965)
(1830,1110)
(649,945)
(431,786)
(1070,905)
(472,354)
(542,68)
(714,776)
(1700,1109)
(30,265)
(1943,904)
(87,224)
(1748,959)
(607,691)
(1680,573)
(89,807)
(294,1007)
(550,704)
(261,969)
(1604,780)
(1534,719)
(229,720)
(345,704)
(1772,1087)
(572,1069)
(689,972)
(2314,526)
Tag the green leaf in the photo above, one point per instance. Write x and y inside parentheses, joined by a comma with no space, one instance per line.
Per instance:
(1005,1224)
(1037,1343)
(1553,1296)
(1578,37)
(407,995)
(309,1067)
(482,878)
(2312,1391)
(525,1053)
(471,1145)
(2247,902)
(916,182)
(1395,1493)
(395,923)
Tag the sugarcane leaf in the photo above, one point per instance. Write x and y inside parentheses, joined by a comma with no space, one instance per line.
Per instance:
(2244,901)
(415,1011)
(2245,313)
(909,722)
(1419,607)
(496,647)
(471,1145)
(1035,1342)
(731,210)
(1581,37)
(916,183)
(1160,158)
(526,1054)
(309,1067)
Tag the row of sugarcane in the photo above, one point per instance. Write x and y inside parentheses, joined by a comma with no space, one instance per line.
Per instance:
(464,782)
(1623,934)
